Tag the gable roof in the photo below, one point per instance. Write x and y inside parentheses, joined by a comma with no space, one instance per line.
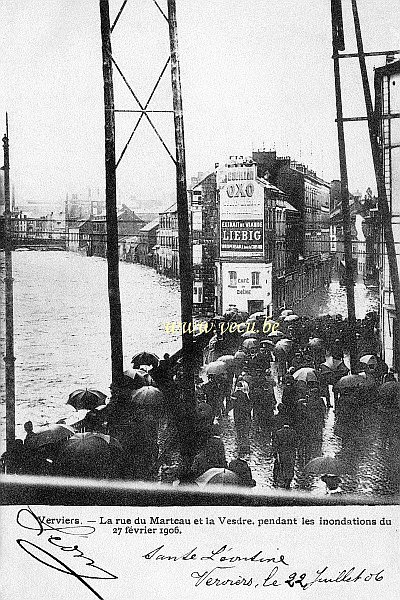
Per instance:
(149,226)
(269,185)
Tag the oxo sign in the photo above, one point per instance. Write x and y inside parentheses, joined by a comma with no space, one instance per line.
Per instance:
(240,190)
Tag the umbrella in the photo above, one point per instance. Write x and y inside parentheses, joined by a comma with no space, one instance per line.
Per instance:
(283,345)
(276,335)
(228,359)
(291,318)
(248,335)
(250,343)
(316,343)
(216,368)
(89,399)
(324,465)
(258,315)
(89,455)
(369,359)
(148,396)
(145,358)
(218,476)
(305,374)
(137,378)
(51,434)
(353,382)
(286,312)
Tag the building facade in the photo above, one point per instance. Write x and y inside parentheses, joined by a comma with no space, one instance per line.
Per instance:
(310,254)
(387,106)
(167,248)
(204,235)
(253,239)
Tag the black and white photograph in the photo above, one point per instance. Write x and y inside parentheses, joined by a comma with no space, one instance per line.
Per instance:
(200,297)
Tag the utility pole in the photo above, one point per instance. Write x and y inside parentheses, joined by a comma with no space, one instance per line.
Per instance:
(379,175)
(114,297)
(187,408)
(185,254)
(338,44)
(9,358)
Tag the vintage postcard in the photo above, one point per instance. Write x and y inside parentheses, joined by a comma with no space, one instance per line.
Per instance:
(200,299)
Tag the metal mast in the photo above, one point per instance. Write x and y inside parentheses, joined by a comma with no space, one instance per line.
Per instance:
(379,176)
(111,204)
(9,358)
(185,254)
(338,44)
(185,259)
(185,262)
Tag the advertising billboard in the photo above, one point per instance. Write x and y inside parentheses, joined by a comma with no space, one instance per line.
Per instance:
(244,235)
(241,211)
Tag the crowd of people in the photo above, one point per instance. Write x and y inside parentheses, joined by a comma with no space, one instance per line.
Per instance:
(285,383)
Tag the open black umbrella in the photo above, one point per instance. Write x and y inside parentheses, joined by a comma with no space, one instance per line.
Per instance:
(283,345)
(89,399)
(218,476)
(50,434)
(89,455)
(316,343)
(354,382)
(148,396)
(291,318)
(250,343)
(324,465)
(145,358)
(276,336)
(305,374)
(137,378)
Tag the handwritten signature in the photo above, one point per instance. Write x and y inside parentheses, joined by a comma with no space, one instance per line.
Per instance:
(225,574)
(87,569)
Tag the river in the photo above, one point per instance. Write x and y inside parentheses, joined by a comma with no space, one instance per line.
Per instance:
(61,324)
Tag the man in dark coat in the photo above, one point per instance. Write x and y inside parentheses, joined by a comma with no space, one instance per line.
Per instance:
(242,407)
(284,445)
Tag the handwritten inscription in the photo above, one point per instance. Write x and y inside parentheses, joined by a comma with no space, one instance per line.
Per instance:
(82,567)
(281,573)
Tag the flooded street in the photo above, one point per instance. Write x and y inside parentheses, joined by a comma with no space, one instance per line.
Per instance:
(62,344)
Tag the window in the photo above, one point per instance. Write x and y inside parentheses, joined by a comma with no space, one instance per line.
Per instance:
(255,279)
(198,292)
(197,254)
(197,224)
(232,279)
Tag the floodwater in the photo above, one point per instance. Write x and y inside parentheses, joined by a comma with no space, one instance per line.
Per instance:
(61,324)
(62,343)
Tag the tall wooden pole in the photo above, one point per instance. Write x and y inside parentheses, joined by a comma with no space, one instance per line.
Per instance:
(111,204)
(9,358)
(185,254)
(347,239)
(379,176)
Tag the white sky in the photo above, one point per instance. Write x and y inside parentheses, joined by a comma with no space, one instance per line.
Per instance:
(255,73)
